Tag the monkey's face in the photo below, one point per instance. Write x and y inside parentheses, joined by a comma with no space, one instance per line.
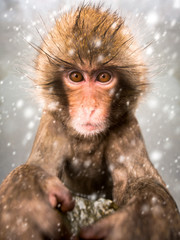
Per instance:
(89,94)
(90,71)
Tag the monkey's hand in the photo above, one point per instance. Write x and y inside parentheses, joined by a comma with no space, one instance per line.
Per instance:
(29,198)
(151,214)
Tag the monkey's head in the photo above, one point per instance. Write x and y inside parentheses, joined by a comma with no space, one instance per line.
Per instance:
(90,71)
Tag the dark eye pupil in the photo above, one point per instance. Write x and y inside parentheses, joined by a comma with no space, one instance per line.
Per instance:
(76,77)
(104,77)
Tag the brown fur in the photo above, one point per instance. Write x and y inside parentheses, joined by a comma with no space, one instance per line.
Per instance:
(113,164)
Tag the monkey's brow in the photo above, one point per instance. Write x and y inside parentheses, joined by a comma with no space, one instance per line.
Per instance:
(89,72)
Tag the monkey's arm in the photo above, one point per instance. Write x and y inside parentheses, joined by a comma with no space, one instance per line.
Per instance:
(50,146)
(147,211)
(30,194)
(28,197)
(151,213)
(128,160)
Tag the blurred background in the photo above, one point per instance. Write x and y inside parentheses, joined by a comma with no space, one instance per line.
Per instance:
(156,21)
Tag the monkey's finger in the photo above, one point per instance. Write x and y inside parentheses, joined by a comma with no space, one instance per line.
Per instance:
(63,197)
(59,194)
(99,230)
(53,200)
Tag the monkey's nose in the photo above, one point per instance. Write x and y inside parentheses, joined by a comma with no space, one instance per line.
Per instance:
(89,111)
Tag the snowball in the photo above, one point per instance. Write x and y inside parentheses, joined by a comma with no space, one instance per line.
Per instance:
(31,125)
(100,58)
(114,25)
(145,209)
(53,105)
(28,136)
(173,22)
(111,167)
(176,4)
(2,99)
(156,155)
(28,38)
(71,52)
(111,91)
(14,153)
(152,103)
(13,165)
(164,33)
(152,18)
(28,112)
(171,115)
(121,159)
(149,50)
(54,13)
(97,43)
(93,196)
(157,36)
(87,163)
(75,161)
(19,103)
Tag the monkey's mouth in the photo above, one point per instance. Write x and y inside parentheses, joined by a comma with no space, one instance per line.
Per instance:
(89,128)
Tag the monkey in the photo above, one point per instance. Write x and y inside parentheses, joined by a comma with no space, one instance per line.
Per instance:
(90,77)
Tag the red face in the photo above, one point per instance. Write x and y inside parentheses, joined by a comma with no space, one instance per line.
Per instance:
(89,95)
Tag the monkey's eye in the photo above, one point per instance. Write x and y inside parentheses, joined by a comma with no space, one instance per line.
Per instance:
(76,76)
(104,77)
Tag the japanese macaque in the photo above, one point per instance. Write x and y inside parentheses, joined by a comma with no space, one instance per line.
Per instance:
(90,76)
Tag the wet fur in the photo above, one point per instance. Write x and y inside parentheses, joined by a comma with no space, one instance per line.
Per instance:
(113,164)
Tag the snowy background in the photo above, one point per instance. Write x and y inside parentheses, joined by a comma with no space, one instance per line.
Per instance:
(159,114)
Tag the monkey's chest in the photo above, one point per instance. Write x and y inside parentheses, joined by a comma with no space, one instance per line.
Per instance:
(86,176)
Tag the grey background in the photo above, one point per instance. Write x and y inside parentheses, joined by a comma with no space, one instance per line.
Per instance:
(159,113)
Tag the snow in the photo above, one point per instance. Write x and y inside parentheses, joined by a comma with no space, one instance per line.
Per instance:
(152,18)
(71,52)
(53,105)
(97,43)
(87,163)
(100,58)
(114,25)
(157,36)
(29,37)
(121,159)
(159,113)
(152,103)
(111,92)
(20,103)
(149,50)
(176,4)
(29,112)
(156,155)
(31,124)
